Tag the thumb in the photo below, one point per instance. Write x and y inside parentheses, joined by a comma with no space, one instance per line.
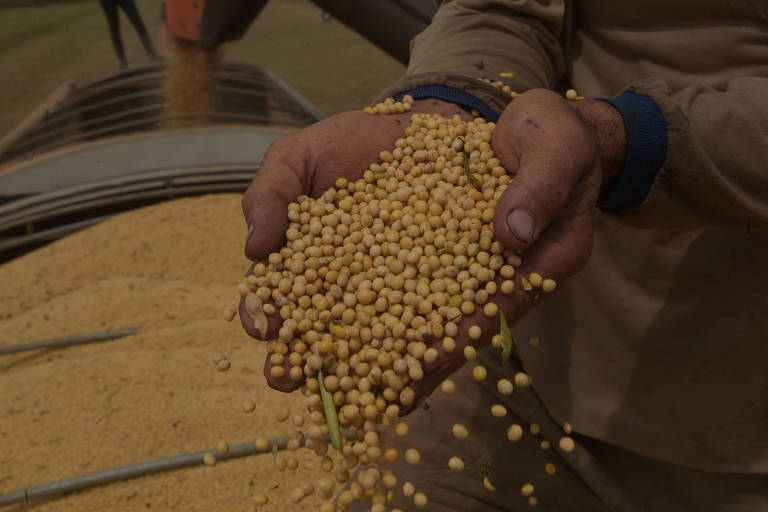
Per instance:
(541,189)
(528,205)
(279,181)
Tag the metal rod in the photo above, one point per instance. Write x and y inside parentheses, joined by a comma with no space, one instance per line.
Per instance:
(82,482)
(67,341)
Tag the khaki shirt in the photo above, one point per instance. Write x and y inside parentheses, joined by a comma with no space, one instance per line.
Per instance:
(660,345)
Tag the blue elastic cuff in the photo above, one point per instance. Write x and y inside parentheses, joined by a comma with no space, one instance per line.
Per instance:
(452,95)
(646,151)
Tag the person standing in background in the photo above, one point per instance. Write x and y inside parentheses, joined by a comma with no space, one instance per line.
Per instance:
(129,6)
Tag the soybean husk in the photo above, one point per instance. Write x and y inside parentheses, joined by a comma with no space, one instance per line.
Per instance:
(470,177)
(506,339)
(331,417)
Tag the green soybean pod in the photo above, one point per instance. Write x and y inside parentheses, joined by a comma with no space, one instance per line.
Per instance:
(506,339)
(331,416)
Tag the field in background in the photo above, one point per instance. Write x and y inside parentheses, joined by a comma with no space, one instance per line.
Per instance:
(42,46)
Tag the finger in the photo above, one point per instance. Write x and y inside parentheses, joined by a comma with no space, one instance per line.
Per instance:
(274,322)
(534,198)
(246,320)
(562,251)
(281,380)
(565,246)
(280,180)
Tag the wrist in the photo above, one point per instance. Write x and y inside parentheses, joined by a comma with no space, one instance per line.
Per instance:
(607,127)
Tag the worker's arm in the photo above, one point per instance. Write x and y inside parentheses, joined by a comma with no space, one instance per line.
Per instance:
(706,169)
(692,159)
(695,158)
(518,45)
(560,152)
(469,40)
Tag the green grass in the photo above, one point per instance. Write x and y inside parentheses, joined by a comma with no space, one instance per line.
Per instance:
(42,46)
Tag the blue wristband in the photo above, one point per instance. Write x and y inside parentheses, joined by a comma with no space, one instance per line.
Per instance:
(452,95)
(646,132)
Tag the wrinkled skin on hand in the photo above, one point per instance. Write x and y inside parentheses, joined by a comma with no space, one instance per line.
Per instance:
(540,139)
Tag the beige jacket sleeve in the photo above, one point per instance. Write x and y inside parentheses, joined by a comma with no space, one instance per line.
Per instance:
(473,39)
(715,175)
(715,172)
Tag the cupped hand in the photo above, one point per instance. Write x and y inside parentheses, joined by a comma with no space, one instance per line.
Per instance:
(309,162)
(559,153)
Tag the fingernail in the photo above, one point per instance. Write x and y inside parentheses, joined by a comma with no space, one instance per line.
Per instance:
(521,225)
(250,231)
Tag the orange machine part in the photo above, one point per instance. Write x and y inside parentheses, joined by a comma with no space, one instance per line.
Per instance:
(184,18)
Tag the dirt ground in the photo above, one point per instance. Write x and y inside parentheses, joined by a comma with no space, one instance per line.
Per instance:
(170,270)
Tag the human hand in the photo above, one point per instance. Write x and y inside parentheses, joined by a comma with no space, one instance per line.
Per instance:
(309,162)
(559,152)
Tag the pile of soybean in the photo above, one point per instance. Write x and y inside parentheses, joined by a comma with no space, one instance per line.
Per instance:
(372,285)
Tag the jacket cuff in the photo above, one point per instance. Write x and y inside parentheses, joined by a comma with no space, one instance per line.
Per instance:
(493,98)
(451,95)
(646,132)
